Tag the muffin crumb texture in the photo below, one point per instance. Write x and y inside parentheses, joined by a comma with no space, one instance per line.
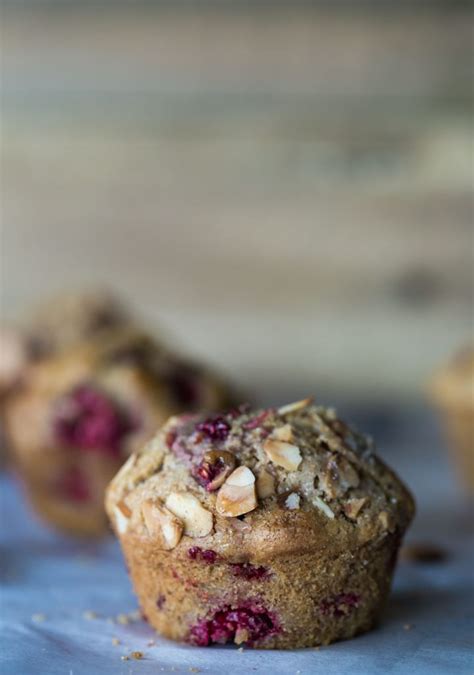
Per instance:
(275,528)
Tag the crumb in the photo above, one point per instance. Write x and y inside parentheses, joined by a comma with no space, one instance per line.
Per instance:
(122,619)
(137,655)
(194,670)
(316,649)
(124,657)
(89,615)
(115,641)
(240,649)
(407,626)
(135,615)
(423,553)
(152,643)
(38,617)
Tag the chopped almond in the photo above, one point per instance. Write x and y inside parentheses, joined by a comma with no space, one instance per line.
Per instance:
(197,520)
(237,496)
(354,506)
(162,524)
(265,484)
(282,453)
(294,407)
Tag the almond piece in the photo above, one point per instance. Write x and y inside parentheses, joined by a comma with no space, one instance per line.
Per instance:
(386,521)
(282,453)
(284,433)
(322,506)
(122,516)
(237,496)
(161,523)
(292,502)
(197,520)
(294,407)
(265,484)
(354,506)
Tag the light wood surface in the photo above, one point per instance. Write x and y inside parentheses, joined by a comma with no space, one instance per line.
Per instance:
(289,192)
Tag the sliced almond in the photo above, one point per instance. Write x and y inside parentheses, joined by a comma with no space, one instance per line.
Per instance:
(162,524)
(294,407)
(282,453)
(197,520)
(354,506)
(322,506)
(265,484)
(237,496)
(284,433)
(122,516)
(386,521)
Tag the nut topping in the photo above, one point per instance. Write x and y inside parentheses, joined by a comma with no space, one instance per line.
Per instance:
(322,506)
(237,496)
(122,515)
(214,468)
(338,476)
(282,453)
(197,520)
(294,407)
(284,433)
(354,506)
(162,524)
(386,521)
(265,484)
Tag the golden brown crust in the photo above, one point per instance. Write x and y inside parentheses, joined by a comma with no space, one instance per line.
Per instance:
(326,526)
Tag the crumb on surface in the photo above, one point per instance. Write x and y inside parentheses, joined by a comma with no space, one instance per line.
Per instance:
(122,619)
(89,615)
(38,617)
(407,626)
(137,655)
(115,641)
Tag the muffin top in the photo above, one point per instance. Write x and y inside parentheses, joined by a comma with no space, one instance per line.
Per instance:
(454,384)
(255,484)
(110,392)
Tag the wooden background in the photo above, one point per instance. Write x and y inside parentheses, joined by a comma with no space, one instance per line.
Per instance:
(287,189)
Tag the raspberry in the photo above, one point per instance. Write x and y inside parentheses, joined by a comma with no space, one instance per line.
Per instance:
(88,419)
(250,572)
(205,555)
(254,622)
(215,428)
(340,605)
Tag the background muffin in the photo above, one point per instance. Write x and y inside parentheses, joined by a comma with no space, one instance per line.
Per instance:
(277,528)
(452,390)
(79,414)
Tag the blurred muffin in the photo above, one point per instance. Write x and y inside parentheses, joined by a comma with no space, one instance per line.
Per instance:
(80,413)
(277,528)
(452,389)
(56,325)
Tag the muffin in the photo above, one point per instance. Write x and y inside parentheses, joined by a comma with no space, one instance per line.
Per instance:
(452,389)
(78,416)
(276,528)
(55,326)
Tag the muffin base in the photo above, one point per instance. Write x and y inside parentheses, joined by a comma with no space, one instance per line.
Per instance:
(296,601)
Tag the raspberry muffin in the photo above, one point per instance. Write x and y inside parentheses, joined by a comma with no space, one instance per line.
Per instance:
(277,528)
(78,416)
(452,389)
